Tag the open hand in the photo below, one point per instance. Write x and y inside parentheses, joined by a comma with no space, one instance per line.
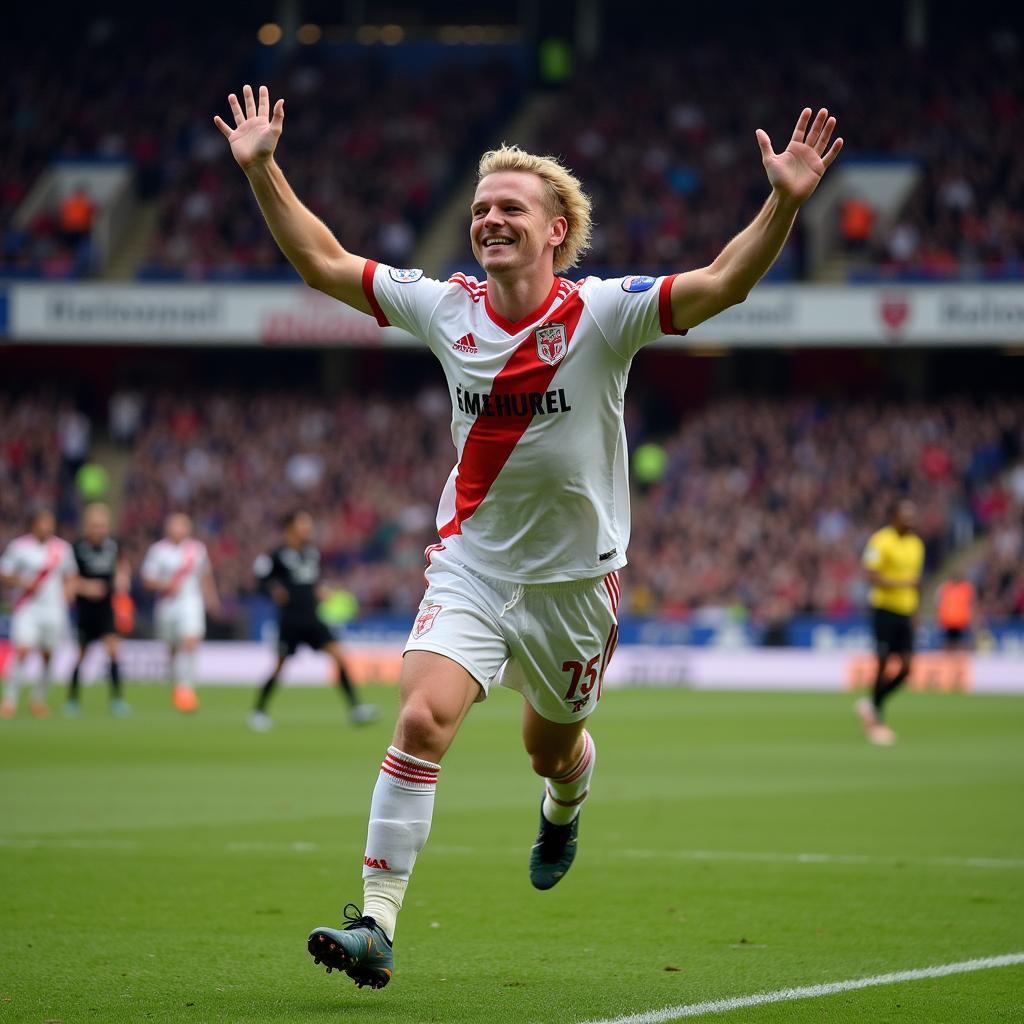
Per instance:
(796,171)
(254,137)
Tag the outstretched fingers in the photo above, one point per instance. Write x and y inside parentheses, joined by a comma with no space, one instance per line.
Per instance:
(224,129)
(801,125)
(764,144)
(279,112)
(250,103)
(263,107)
(832,153)
(826,133)
(236,110)
(816,129)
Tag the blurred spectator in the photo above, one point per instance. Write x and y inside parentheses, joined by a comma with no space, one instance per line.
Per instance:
(856,223)
(76,215)
(124,414)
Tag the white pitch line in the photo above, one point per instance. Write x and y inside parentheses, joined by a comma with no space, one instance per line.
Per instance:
(752,856)
(819,858)
(755,856)
(69,844)
(786,995)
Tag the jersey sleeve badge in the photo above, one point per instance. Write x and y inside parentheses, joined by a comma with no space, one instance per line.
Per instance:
(637,283)
(404,276)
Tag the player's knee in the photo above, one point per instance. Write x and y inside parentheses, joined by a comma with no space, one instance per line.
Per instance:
(422,731)
(550,764)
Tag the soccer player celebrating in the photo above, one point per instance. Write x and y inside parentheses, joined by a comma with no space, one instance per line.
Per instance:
(893,560)
(290,574)
(178,570)
(102,572)
(522,588)
(40,567)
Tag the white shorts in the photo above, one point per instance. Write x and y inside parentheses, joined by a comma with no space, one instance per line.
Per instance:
(41,628)
(177,620)
(550,641)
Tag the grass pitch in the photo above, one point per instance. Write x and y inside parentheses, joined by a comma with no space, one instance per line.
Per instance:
(164,868)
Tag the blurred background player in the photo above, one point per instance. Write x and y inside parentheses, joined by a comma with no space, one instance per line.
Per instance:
(103,571)
(41,568)
(178,570)
(290,574)
(956,611)
(893,560)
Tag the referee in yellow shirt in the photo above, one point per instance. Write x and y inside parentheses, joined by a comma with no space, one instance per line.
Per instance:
(893,560)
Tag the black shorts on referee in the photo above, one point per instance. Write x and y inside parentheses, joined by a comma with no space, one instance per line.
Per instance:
(293,633)
(95,620)
(894,633)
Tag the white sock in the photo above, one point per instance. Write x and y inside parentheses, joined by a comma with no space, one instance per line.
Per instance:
(13,682)
(185,669)
(42,684)
(400,813)
(564,797)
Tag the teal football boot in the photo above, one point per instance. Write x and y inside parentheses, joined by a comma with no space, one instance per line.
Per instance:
(360,949)
(553,853)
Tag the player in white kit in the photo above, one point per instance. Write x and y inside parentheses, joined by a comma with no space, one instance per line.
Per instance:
(178,570)
(522,586)
(40,568)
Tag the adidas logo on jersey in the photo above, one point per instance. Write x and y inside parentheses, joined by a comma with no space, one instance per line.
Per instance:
(467,343)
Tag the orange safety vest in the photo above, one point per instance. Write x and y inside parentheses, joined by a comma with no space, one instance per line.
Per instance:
(955,604)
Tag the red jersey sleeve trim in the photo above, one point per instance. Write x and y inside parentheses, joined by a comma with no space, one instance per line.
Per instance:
(369,270)
(665,307)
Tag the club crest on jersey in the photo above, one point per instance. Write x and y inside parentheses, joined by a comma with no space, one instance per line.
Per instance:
(637,283)
(404,276)
(551,343)
(425,620)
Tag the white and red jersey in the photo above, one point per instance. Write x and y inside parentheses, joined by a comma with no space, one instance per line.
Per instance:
(178,569)
(540,491)
(40,568)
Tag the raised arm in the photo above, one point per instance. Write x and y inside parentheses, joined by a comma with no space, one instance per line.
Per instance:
(794,175)
(305,240)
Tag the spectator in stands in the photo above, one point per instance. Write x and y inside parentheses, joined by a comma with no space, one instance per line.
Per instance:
(856,223)
(76,216)
(956,611)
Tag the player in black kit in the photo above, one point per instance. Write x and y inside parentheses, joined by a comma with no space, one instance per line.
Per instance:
(290,574)
(102,572)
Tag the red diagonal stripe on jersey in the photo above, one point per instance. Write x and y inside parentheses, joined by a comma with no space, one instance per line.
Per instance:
(53,556)
(492,439)
(188,561)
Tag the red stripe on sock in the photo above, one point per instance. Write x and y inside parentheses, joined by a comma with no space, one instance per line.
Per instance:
(581,765)
(567,803)
(408,778)
(426,774)
(411,762)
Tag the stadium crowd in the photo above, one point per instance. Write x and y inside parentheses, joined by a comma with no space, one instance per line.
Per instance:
(663,140)
(372,160)
(762,512)
(665,144)
(368,148)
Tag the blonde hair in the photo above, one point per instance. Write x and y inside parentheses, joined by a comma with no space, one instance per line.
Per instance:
(563,191)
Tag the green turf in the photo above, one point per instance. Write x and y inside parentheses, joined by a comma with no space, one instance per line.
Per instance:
(169,869)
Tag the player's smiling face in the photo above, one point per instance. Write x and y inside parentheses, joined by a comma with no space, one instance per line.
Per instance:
(512,226)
